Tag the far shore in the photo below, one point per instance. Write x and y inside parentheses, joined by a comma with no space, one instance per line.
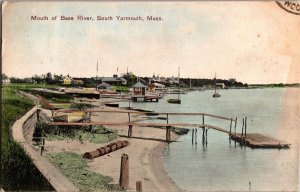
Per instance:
(145,151)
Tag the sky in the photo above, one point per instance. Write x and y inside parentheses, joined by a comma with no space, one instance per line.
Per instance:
(254,42)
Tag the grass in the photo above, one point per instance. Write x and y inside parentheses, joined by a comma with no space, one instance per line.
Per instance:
(98,134)
(121,88)
(17,170)
(75,168)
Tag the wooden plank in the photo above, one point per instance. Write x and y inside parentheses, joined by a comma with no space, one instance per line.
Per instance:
(257,140)
(145,113)
(190,125)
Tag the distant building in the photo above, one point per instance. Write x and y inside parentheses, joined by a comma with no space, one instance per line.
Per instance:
(67,80)
(155,86)
(139,89)
(115,80)
(221,85)
(104,86)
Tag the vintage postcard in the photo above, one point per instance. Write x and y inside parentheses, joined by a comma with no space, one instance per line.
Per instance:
(150,96)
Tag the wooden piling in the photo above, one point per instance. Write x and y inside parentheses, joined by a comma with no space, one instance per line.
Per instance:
(129,117)
(167,118)
(235,126)
(203,136)
(202,119)
(124,172)
(196,136)
(139,187)
(206,136)
(230,125)
(193,136)
(243,127)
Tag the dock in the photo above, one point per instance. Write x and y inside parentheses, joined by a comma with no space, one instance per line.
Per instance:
(145,98)
(253,140)
(256,140)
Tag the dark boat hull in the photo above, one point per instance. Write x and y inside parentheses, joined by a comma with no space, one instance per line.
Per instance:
(174,101)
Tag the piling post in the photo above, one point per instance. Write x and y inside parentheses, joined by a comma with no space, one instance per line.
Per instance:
(196,136)
(42,149)
(203,136)
(243,128)
(130,131)
(139,186)
(230,125)
(235,126)
(203,119)
(193,136)
(206,136)
(167,118)
(124,172)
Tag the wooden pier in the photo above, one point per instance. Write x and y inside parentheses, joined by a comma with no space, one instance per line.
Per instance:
(255,140)
(145,98)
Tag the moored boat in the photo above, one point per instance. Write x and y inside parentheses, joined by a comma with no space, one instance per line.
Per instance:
(175,101)
(68,115)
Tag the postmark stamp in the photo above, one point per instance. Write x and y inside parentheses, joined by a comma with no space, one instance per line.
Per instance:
(290,6)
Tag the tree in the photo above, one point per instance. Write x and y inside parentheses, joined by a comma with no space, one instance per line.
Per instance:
(3,76)
(48,78)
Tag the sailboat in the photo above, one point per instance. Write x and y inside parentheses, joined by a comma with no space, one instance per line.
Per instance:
(178,100)
(215,95)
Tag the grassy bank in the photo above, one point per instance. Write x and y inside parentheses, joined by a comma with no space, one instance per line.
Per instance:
(75,168)
(98,134)
(17,170)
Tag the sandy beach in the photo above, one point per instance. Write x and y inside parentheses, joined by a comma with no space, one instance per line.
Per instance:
(145,152)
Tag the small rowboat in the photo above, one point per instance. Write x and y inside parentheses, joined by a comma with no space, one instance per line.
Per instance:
(68,115)
(174,101)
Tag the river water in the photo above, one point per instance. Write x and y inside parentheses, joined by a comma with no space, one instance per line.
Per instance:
(223,165)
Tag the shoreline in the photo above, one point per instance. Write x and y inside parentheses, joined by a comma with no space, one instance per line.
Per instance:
(145,151)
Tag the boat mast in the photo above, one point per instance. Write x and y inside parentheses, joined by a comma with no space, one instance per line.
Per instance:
(215,82)
(97,77)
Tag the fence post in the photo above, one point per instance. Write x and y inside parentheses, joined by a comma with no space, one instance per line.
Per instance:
(38,110)
(130,131)
(168,134)
(124,172)
(139,186)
